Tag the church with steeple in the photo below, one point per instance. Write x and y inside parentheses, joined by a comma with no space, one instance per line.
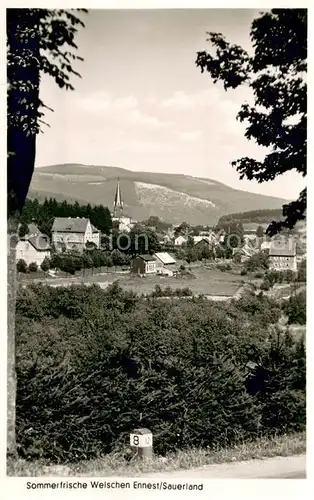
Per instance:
(121,221)
(118,203)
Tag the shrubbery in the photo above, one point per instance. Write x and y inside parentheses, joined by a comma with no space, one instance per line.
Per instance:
(21,266)
(295,308)
(169,292)
(33,267)
(265,285)
(302,271)
(45,265)
(259,275)
(71,262)
(257,261)
(90,361)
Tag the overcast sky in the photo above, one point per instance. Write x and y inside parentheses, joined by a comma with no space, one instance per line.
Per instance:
(143,105)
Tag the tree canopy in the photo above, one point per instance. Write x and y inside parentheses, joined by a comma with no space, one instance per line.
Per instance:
(39,41)
(276,74)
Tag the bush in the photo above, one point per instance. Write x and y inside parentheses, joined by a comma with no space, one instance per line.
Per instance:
(21,266)
(90,361)
(221,267)
(258,275)
(265,285)
(302,271)
(257,261)
(33,267)
(243,272)
(295,308)
(45,265)
(182,267)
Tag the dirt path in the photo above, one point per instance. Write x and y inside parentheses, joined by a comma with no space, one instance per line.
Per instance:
(273,468)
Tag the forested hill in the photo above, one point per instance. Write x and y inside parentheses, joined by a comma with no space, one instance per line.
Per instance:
(260,216)
(171,197)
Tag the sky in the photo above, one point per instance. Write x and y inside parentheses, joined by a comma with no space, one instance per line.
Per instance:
(142,104)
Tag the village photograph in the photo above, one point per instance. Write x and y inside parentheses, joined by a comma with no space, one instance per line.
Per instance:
(156,246)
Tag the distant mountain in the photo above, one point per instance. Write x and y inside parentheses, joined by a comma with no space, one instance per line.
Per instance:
(172,197)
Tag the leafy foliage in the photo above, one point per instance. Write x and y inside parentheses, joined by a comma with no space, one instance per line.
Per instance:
(258,261)
(275,73)
(33,267)
(251,216)
(43,214)
(90,361)
(45,265)
(39,41)
(295,308)
(21,266)
(302,271)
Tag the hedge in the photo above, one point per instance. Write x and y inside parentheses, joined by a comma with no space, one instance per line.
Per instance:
(91,361)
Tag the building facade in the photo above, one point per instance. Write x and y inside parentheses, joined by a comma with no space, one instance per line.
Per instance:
(143,264)
(33,249)
(165,264)
(74,233)
(179,241)
(282,255)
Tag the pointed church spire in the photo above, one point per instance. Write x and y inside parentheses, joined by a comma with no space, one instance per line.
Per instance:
(118,203)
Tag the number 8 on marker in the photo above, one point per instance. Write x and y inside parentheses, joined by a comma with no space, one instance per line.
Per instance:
(136,440)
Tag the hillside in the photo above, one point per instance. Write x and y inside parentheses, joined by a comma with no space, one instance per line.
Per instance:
(172,197)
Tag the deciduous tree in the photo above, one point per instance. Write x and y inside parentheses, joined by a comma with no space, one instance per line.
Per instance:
(276,74)
(39,41)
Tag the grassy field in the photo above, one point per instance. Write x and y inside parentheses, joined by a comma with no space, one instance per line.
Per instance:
(116,464)
(201,281)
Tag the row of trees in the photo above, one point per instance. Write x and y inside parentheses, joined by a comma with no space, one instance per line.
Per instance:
(271,277)
(70,262)
(43,214)
(252,216)
(191,252)
(196,373)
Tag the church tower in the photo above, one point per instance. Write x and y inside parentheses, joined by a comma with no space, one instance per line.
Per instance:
(118,203)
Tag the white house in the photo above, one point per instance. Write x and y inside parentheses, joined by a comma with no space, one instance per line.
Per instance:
(243,253)
(165,264)
(179,241)
(250,238)
(265,245)
(74,233)
(33,249)
(282,255)
(125,224)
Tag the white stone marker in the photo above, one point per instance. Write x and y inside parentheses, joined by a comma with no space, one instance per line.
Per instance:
(141,442)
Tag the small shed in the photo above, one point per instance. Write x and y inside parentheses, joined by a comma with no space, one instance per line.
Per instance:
(143,264)
(165,264)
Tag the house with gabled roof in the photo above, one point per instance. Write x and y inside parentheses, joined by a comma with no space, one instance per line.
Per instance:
(282,254)
(74,233)
(33,248)
(179,241)
(143,264)
(165,264)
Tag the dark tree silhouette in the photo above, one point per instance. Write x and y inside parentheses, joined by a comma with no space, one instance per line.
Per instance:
(38,41)
(275,72)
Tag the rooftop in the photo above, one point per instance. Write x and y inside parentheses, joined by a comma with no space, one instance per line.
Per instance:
(147,257)
(279,248)
(70,225)
(165,258)
(33,229)
(39,242)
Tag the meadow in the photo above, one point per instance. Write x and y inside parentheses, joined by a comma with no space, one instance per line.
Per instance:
(202,281)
